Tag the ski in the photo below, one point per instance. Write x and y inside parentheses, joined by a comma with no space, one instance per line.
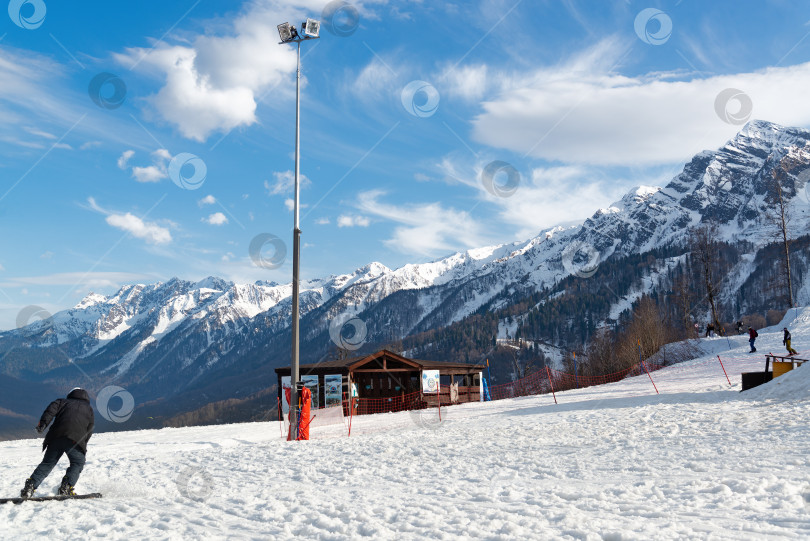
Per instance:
(49,498)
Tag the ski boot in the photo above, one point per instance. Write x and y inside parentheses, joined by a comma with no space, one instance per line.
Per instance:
(65,489)
(28,489)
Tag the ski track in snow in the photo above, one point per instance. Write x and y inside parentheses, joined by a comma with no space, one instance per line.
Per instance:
(611,462)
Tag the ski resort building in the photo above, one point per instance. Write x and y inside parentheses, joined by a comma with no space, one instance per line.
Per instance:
(386,381)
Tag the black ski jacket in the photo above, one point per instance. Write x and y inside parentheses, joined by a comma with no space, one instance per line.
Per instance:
(786,338)
(74,419)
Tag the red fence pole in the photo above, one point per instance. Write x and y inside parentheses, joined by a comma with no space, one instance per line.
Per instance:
(439,399)
(351,411)
(280,418)
(724,369)
(648,373)
(548,373)
(644,366)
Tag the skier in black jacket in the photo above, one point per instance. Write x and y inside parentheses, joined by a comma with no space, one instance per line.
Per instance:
(69,434)
(786,342)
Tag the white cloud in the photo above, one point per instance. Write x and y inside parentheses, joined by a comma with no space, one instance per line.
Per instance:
(40,133)
(290,204)
(556,196)
(149,173)
(216,218)
(2,268)
(322,221)
(346,220)
(162,155)
(148,231)
(426,229)
(582,112)
(207,200)
(375,79)
(212,82)
(151,232)
(467,82)
(46,255)
(285,183)
(544,196)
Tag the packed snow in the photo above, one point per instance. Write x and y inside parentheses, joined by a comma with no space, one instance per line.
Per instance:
(618,461)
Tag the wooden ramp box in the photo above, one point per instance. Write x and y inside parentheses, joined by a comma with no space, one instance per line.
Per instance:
(781,367)
(753,379)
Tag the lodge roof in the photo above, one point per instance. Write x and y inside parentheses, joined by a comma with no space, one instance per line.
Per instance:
(351,363)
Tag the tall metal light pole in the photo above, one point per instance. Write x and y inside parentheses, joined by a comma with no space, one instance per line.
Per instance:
(288,34)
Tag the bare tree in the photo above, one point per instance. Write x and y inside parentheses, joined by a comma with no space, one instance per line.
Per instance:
(704,246)
(601,356)
(780,217)
(683,297)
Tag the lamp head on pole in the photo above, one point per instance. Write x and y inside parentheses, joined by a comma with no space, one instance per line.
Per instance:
(310,29)
(285,32)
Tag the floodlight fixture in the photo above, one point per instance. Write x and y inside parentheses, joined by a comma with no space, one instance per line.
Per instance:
(311,28)
(285,32)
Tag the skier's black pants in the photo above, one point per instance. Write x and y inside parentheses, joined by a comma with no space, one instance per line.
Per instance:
(53,453)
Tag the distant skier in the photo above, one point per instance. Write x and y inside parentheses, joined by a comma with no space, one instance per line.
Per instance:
(710,330)
(752,337)
(786,341)
(740,327)
(69,434)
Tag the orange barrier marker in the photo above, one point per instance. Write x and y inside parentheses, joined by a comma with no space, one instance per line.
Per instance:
(724,369)
(552,385)
(648,373)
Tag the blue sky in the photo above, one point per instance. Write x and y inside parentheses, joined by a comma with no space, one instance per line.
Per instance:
(583,100)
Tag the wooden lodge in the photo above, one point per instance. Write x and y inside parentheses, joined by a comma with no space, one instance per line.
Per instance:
(387,381)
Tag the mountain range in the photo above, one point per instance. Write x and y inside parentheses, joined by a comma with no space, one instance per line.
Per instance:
(181,345)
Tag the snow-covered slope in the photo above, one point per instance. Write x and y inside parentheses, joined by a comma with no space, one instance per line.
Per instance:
(700,460)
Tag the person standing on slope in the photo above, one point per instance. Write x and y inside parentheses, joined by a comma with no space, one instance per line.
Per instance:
(73,423)
(786,341)
(752,337)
